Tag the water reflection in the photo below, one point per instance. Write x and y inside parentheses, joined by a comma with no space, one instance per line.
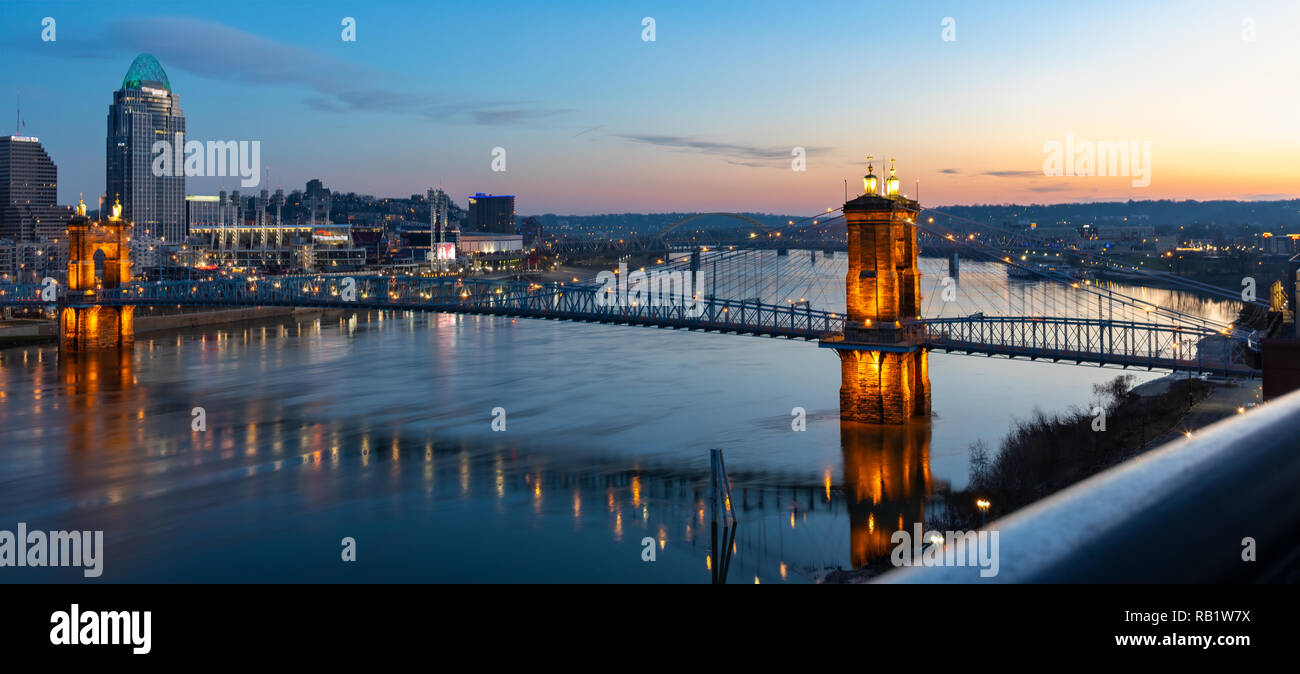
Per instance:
(886,484)
(97,399)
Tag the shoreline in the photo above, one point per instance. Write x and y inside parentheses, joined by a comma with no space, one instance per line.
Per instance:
(45,333)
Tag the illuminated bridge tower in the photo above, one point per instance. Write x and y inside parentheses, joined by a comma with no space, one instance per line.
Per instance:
(99,258)
(885,370)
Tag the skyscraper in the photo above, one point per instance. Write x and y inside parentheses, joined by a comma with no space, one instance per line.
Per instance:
(492,213)
(28,187)
(438,211)
(145,110)
(319,201)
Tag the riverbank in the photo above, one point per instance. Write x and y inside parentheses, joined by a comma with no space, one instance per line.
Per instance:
(37,333)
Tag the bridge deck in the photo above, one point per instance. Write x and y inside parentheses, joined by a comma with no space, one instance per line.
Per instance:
(1058,339)
(1099,359)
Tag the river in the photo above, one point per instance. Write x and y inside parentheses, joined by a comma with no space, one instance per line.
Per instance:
(379,427)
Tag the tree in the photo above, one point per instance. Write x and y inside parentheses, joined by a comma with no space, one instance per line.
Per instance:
(979,464)
(1117,389)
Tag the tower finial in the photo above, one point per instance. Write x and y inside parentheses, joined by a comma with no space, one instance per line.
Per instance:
(869,185)
(891,184)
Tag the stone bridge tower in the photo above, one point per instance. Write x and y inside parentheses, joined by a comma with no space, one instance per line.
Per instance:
(99,258)
(885,369)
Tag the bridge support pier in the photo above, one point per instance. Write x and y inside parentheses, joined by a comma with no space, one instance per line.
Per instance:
(96,327)
(884,387)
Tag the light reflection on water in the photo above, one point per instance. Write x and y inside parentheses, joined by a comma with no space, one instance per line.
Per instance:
(378,427)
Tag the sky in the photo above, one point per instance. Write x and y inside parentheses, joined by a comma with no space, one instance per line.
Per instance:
(706,117)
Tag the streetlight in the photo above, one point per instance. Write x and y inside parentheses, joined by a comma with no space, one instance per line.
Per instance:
(983,504)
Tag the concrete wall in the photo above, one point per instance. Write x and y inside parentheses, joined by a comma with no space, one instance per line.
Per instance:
(47,332)
(189,320)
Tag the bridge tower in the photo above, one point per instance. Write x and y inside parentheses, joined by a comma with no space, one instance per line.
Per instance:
(99,258)
(885,371)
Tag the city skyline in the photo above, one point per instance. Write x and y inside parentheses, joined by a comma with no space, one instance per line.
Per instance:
(684,122)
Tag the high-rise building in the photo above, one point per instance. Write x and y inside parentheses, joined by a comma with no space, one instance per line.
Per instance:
(318,201)
(145,110)
(28,187)
(492,213)
(441,226)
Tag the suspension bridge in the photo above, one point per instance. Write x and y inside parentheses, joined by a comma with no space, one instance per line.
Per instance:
(878,297)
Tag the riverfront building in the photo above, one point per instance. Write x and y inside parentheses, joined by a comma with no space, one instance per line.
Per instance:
(494,214)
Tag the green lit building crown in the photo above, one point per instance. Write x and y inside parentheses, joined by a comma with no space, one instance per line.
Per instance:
(145,69)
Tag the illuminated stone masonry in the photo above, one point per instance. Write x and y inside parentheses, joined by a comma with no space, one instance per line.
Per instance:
(99,258)
(885,372)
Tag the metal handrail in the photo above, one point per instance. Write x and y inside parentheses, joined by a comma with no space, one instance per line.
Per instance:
(1177,514)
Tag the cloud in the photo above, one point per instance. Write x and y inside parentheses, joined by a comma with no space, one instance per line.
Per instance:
(515,115)
(431,107)
(219,52)
(738,154)
(949,170)
(1014,174)
(1053,187)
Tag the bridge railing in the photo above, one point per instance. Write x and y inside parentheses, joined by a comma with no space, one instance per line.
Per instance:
(1118,342)
(21,295)
(505,297)
(1183,513)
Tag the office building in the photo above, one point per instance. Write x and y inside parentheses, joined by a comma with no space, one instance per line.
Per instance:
(145,110)
(28,187)
(492,214)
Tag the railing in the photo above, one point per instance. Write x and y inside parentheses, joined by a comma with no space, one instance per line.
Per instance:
(1187,512)
(1093,340)
(581,302)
